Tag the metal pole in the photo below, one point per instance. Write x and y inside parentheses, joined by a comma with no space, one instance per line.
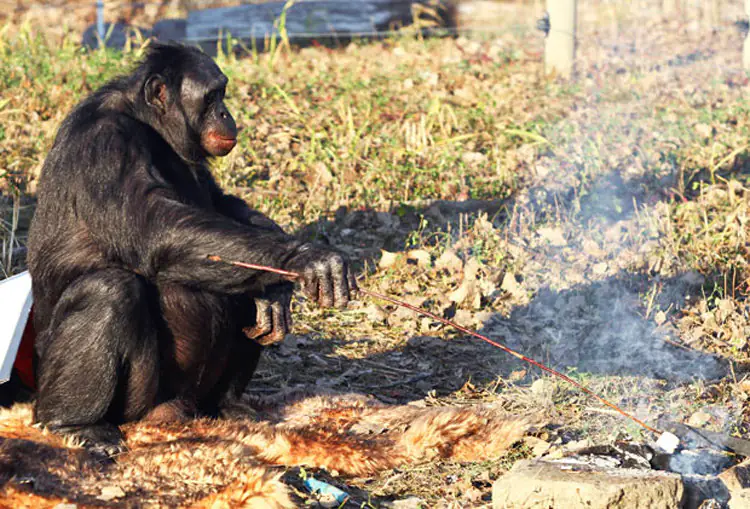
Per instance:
(100,19)
(560,48)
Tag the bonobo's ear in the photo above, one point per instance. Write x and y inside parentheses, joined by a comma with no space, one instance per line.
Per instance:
(156,93)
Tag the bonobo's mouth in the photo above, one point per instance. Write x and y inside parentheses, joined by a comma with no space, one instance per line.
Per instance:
(225,143)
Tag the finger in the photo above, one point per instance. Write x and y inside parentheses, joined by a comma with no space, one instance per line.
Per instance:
(341,282)
(279,330)
(286,307)
(326,287)
(310,284)
(263,320)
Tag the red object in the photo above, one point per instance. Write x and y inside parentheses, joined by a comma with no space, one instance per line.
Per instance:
(24,364)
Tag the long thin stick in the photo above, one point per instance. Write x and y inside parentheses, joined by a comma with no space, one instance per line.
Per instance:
(424,312)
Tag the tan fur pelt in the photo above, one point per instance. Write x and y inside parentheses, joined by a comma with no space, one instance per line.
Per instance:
(234,463)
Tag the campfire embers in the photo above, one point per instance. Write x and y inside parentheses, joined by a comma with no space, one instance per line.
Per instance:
(699,474)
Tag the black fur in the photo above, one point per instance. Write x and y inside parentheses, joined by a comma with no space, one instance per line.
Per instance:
(129,312)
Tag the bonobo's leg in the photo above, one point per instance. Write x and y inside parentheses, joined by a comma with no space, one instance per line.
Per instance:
(99,364)
(226,398)
(195,348)
(263,320)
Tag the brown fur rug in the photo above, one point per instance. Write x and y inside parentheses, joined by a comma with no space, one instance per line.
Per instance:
(228,463)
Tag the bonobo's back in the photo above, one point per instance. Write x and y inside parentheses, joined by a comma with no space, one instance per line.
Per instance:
(60,245)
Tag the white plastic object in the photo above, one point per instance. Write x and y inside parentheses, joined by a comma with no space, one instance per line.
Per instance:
(668,442)
(15,306)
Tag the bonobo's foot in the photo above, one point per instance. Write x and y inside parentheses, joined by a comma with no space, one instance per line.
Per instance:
(104,440)
(175,410)
(236,410)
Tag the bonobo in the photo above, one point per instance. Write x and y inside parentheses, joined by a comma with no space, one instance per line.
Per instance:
(133,321)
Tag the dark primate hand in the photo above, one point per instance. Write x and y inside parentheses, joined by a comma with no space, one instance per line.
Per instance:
(325,275)
(273,315)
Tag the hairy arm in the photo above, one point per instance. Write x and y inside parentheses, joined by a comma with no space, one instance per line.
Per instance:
(141,220)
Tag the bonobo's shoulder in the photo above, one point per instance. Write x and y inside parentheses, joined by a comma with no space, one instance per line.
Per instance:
(92,122)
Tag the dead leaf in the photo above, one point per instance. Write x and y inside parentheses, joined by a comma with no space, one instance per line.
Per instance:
(407,503)
(109,493)
(554,236)
(450,261)
(375,313)
(464,318)
(473,158)
(387,259)
(592,249)
(469,289)
(660,317)
(600,269)
(704,130)
(511,286)
(537,445)
(699,419)
(422,257)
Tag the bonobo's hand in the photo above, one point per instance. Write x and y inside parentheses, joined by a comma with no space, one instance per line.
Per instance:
(273,315)
(325,275)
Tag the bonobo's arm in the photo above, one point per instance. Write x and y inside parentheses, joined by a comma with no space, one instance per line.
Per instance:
(273,320)
(319,280)
(140,219)
(236,208)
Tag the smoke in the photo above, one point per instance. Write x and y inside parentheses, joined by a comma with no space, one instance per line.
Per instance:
(600,328)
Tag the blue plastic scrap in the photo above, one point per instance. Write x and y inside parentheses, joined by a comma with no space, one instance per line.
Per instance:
(325,489)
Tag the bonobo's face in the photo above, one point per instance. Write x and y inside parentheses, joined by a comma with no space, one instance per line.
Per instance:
(190,109)
(211,119)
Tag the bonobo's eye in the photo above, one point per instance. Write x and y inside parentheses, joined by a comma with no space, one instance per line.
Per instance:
(211,97)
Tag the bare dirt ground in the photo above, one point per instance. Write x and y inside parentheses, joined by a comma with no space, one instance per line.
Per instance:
(599,226)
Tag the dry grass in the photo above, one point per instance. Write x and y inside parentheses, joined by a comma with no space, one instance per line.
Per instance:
(600,226)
